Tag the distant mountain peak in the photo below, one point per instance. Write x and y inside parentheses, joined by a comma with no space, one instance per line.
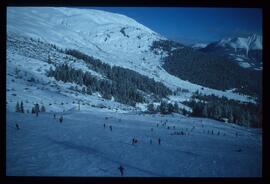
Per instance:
(247,51)
(252,42)
(199,45)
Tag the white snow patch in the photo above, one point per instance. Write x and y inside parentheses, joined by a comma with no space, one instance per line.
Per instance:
(244,64)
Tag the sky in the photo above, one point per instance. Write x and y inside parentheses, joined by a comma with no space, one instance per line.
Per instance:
(193,25)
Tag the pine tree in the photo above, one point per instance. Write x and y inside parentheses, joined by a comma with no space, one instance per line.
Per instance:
(89,90)
(22,109)
(18,109)
(176,107)
(43,109)
(49,60)
(83,90)
(170,108)
(164,107)
(205,110)
(184,111)
(150,108)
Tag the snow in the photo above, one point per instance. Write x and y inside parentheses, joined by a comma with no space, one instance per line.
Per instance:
(251,42)
(199,45)
(46,90)
(259,68)
(81,146)
(239,59)
(233,89)
(97,33)
(244,64)
(142,106)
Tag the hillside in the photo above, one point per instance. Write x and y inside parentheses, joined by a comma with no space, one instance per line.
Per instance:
(208,70)
(246,51)
(117,41)
(81,84)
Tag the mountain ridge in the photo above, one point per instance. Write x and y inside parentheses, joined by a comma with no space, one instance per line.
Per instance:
(246,51)
(252,42)
(125,46)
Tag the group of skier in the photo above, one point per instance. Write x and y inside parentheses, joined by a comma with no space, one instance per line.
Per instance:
(60,119)
(104,125)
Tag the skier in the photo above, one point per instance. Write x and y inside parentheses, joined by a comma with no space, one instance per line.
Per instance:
(111,127)
(33,110)
(159,141)
(239,150)
(121,170)
(53,116)
(61,119)
(17,126)
(104,125)
(37,109)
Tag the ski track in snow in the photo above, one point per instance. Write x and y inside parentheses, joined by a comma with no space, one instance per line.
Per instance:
(81,146)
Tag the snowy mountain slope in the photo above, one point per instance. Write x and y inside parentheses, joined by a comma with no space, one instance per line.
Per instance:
(27,78)
(115,39)
(95,30)
(81,146)
(199,45)
(253,42)
(243,49)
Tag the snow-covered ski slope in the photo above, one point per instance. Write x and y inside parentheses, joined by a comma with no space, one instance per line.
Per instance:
(81,146)
(113,38)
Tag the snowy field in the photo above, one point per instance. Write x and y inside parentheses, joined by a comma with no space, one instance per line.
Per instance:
(81,146)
